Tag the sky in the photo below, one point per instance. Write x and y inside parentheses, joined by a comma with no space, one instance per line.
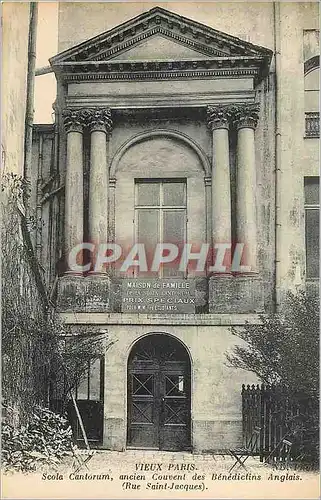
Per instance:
(47,46)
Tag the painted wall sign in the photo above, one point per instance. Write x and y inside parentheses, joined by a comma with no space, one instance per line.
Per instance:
(158,296)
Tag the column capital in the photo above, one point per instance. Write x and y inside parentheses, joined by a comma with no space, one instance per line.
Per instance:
(218,117)
(98,119)
(73,119)
(246,115)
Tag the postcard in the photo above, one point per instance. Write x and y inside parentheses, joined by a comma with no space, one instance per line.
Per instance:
(160,250)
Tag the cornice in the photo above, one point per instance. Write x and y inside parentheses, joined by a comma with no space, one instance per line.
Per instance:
(160,64)
(177,75)
(183,40)
(43,128)
(161,70)
(78,318)
(144,101)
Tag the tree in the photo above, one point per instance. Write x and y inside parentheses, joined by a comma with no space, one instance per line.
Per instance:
(284,347)
(283,351)
(37,347)
(69,362)
(26,340)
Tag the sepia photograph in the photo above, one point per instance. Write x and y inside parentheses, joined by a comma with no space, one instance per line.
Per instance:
(160,250)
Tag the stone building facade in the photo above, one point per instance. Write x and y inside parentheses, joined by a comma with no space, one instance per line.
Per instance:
(168,130)
(14,92)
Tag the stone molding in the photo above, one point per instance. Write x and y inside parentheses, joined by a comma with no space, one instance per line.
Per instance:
(135,103)
(239,115)
(73,120)
(206,319)
(312,63)
(164,70)
(94,119)
(225,55)
(246,116)
(218,117)
(99,119)
(216,63)
(167,133)
(201,46)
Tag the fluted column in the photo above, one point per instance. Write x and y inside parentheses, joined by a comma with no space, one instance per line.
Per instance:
(100,125)
(246,118)
(74,223)
(218,120)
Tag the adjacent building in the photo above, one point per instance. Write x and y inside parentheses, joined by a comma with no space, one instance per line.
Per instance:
(169,129)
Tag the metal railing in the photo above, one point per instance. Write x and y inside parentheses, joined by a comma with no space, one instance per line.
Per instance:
(278,415)
(312,124)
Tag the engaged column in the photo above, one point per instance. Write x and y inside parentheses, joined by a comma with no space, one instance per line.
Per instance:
(246,118)
(218,119)
(100,126)
(74,193)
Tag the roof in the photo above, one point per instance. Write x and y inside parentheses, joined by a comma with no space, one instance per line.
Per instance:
(159,35)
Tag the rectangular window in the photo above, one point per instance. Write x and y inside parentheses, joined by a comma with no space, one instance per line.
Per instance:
(160,217)
(91,381)
(312,221)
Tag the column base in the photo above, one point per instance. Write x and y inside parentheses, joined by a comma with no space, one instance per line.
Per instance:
(98,289)
(236,294)
(114,434)
(84,293)
(71,293)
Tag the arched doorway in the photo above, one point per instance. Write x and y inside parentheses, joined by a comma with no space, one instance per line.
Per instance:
(159,394)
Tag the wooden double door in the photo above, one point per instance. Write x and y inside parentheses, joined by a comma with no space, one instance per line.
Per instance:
(159,395)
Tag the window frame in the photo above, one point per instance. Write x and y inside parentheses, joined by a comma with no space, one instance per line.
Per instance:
(161,208)
(310,207)
(311,116)
(87,377)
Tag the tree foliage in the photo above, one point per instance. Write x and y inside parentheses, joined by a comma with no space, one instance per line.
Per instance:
(70,361)
(42,443)
(34,345)
(27,341)
(283,348)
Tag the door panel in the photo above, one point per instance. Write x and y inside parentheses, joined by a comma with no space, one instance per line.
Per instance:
(159,396)
(92,416)
(143,411)
(174,426)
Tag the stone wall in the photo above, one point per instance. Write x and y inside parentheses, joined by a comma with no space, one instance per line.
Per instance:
(298,156)
(216,416)
(14,89)
(46,201)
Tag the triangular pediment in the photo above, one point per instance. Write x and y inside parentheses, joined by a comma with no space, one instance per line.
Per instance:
(159,35)
(159,47)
